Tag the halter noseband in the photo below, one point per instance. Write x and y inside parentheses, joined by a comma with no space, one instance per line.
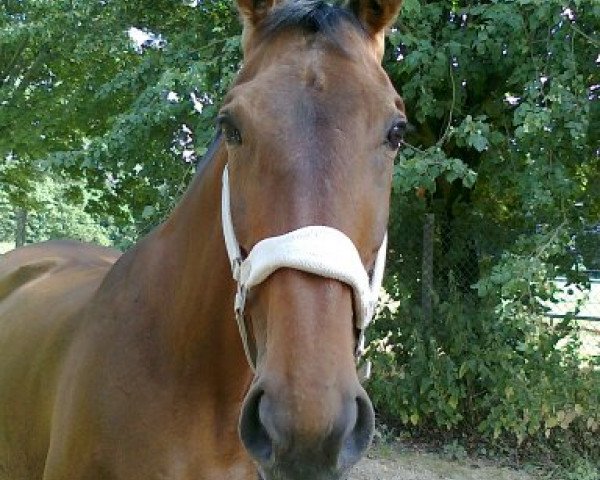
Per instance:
(316,249)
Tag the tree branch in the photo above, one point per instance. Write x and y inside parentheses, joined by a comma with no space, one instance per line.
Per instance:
(31,72)
(9,71)
(444,137)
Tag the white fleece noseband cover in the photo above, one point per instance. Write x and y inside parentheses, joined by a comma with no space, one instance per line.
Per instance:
(320,250)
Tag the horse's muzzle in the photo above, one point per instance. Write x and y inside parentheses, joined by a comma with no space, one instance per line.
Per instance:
(273,435)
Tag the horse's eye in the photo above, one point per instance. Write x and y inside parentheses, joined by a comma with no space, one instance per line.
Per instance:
(232,134)
(395,135)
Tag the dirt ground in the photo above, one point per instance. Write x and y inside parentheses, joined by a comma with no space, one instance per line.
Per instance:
(397,464)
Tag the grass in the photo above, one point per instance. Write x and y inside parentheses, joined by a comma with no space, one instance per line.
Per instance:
(404,460)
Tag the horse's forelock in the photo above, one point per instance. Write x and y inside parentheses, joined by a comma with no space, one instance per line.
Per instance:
(314,16)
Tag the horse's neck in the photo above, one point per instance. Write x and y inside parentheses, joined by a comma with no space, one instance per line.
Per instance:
(183,271)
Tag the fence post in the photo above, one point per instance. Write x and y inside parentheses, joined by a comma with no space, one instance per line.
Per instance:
(21,227)
(427,267)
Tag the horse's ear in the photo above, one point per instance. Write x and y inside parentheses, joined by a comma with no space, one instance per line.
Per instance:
(376,16)
(252,13)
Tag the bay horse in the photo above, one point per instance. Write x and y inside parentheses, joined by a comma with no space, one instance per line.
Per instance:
(130,367)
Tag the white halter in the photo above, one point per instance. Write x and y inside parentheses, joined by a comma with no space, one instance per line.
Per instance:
(320,250)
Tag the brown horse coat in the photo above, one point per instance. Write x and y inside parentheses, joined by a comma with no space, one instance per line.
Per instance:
(131,368)
(95,383)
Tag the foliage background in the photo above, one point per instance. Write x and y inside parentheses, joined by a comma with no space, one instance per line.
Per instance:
(99,134)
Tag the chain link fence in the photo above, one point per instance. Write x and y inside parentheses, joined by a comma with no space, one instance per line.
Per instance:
(444,259)
(581,295)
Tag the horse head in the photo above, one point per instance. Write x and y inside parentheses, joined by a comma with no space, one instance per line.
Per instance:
(311,126)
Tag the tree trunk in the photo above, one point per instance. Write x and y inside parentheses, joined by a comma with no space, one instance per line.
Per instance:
(21,230)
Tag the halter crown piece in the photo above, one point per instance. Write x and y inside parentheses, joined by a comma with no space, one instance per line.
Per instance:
(316,249)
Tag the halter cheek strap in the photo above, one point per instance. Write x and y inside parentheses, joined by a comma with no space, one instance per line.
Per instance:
(320,250)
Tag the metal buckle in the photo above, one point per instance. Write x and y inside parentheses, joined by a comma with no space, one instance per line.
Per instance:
(364,368)
(240,300)
(236,269)
(360,344)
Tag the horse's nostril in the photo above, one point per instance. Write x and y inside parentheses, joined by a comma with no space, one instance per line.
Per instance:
(253,433)
(359,438)
(281,442)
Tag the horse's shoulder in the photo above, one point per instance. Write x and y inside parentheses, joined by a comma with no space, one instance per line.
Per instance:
(27,264)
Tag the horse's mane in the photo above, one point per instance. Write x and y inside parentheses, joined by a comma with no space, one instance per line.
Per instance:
(314,16)
(205,159)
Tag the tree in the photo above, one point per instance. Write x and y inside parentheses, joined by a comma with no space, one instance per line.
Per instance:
(79,97)
(507,88)
(505,151)
(503,99)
